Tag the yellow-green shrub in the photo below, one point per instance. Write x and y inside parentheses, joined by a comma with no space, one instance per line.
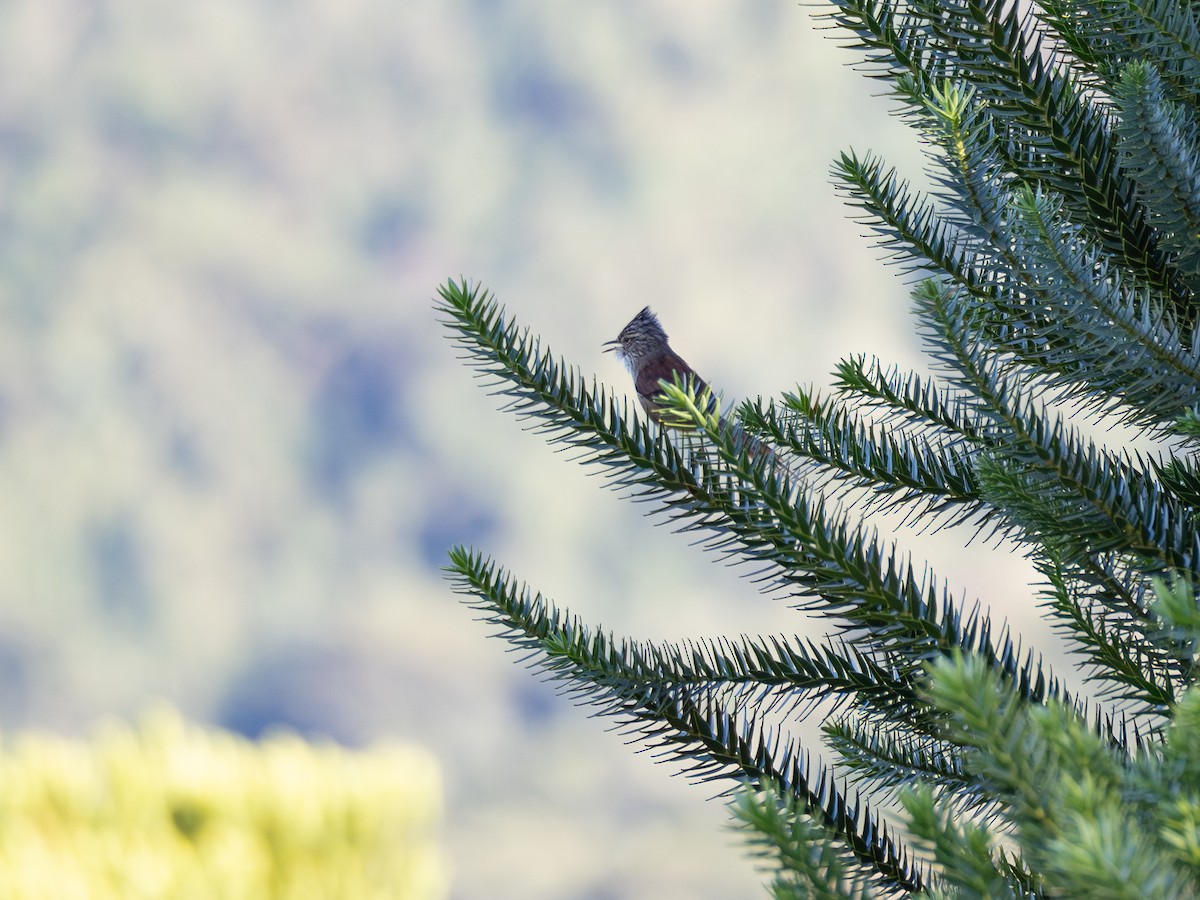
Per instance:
(170,810)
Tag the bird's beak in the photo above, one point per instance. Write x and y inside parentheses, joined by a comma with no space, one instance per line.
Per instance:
(610,346)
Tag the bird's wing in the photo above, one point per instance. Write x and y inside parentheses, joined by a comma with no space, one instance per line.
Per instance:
(665,369)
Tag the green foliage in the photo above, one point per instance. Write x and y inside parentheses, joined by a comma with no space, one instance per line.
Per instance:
(1088,819)
(171,811)
(1060,250)
(805,861)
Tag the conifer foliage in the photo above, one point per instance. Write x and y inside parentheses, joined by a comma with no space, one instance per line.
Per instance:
(1058,255)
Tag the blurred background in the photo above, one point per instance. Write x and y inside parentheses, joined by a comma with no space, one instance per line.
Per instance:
(235,444)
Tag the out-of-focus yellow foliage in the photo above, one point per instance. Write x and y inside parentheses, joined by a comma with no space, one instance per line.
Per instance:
(171,810)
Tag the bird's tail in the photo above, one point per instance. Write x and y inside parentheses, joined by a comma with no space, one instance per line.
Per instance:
(704,404)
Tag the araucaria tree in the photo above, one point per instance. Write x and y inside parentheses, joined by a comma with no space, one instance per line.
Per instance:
(1058,254)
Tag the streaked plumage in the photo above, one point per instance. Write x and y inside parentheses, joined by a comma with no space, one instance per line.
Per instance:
(642,346)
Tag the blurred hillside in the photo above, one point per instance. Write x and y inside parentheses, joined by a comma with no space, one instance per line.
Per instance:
(235,445)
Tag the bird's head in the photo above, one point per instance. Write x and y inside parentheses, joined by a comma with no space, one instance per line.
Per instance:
(640,338)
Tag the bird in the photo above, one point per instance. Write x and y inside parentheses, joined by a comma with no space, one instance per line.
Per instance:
(643,347)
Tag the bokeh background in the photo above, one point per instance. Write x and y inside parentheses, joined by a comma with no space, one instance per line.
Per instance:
(235,443)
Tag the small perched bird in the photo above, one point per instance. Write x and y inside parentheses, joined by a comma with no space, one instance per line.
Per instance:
(642,346)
